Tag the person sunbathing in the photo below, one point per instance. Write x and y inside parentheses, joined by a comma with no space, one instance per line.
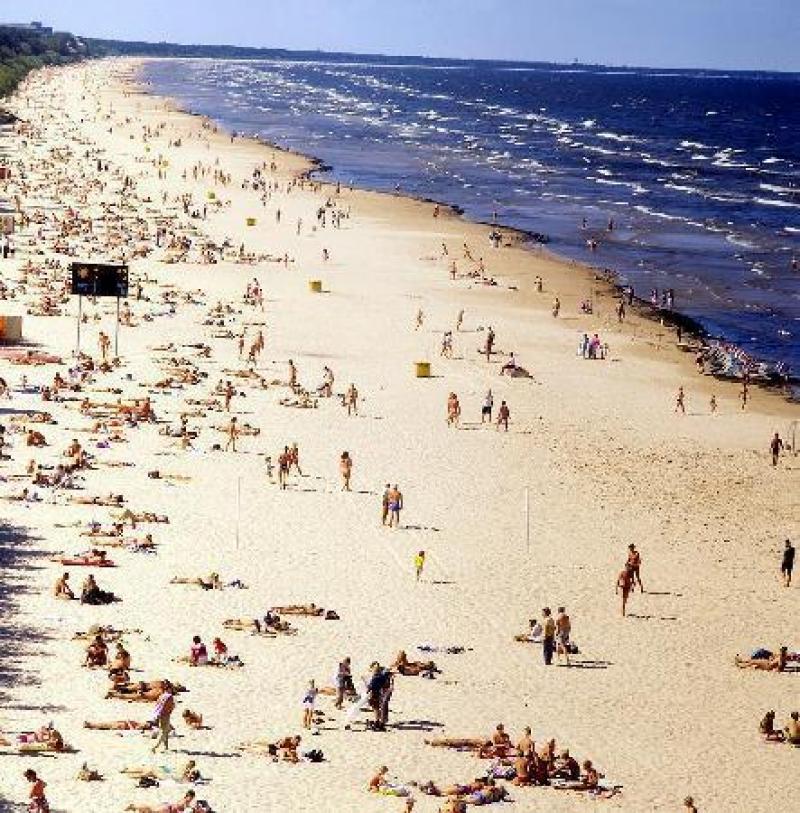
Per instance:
(285,748)
(299,609)
(119,725)
(90,558)
(111,501)
(187,803)
(764,660)
(403,666)
(141,691)
(45,739)
(211,583)
(140,516)
(108,633)
(460,743)
(270,625)
(97,531)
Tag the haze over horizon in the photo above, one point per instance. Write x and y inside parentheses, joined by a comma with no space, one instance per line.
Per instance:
(701,34)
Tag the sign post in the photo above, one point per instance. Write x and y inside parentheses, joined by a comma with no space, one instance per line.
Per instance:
(99,280)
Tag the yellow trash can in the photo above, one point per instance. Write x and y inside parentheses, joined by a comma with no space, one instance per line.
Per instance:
(251,221)
(423,369)
(212,195)
(315,286)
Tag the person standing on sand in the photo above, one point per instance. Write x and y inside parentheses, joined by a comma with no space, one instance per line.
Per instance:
(453,410)
(488,405)
(563,631)
(548,636)
(680,401)
(633,565)
(489,344)
(624,586)
(503,415)
(556,307)
(743,395)
(385,504)
(419,319)
(351,400)
(344,682)
(459,320)
(776,447)
(346,470)
(292,375)
(284,461)
(309,700)
(228,395)
(395,499)
(38,801)
(787,564)
(233,433)
(713,404)
(162,713)
(688,805)
(419,564)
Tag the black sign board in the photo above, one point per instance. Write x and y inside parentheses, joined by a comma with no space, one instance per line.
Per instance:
(99,279)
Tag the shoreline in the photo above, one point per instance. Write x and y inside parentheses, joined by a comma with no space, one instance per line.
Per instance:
(786,387)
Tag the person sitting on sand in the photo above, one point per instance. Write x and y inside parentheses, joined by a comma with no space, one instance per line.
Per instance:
(767,728)
(792,729)
(198,654)
(285,748)
(92,594)
(566,767)
(534,634)
(140,516)
(62,590)
(764,660)
(122,659)
(47,739)
(192,719)
(96,653)
(403,666)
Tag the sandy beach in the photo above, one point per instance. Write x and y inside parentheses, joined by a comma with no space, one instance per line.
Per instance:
(595,448)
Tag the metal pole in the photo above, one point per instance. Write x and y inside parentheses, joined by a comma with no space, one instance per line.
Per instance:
(527,520)
(238,507)
(116,333)
(80,314)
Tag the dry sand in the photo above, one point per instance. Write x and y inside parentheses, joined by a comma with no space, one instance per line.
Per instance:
(597,443)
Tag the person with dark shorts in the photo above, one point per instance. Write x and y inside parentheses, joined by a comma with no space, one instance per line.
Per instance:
(548,636)
(787,563)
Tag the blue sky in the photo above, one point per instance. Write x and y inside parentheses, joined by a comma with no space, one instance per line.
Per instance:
(746,34)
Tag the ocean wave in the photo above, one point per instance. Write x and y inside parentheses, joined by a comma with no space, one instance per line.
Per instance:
(780,203)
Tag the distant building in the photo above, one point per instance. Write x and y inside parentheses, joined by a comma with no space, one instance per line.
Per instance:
(35,25)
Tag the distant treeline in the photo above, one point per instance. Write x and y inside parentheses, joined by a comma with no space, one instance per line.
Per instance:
(24,49)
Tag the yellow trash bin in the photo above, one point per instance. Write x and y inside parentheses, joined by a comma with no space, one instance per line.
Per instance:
(315,286)
(423,369)
(251,221)
(212,195)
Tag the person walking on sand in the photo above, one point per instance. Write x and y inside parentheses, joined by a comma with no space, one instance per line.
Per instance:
(385,504)
(556,307)
(680,401)
(689,805)
(489,344)
(38,801)
(284,461)
(419,564)
(488,405)
(503,415)
(162,713)
(713,404)
(624,586)
(346,470)
(776,447)
(419,319)
(743,395)
(395,497)
(233,433)
(787,563)
(548,636)
(459,320)
(309,701)
(633,565)
(453,410)
(229,391)
(351,400)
